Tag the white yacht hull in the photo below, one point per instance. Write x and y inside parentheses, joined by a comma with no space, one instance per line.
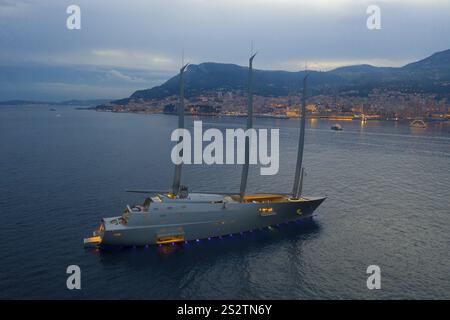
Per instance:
(180,221)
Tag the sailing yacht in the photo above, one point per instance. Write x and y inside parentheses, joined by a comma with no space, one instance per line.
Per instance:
(178,216)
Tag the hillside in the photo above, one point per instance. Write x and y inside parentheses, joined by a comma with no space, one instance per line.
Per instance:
(430,74)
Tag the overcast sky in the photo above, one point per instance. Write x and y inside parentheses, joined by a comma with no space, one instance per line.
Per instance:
(127,45)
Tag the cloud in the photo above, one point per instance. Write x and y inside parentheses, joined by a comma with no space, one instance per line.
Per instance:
(14,3)
(11,7)
(117,74)
(326,65)
(50,82)
(61,91)
(8,3)
(117,58)
(131,59)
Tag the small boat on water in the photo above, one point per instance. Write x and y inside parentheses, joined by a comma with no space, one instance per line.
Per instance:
(52,109)
(418,124)
(336,127)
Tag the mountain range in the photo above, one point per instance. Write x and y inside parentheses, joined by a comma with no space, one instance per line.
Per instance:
(431,74)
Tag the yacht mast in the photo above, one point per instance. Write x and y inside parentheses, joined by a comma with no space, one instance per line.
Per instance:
(298,181)
(249,126)
(177,176)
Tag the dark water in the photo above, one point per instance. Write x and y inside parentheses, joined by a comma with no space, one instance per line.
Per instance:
(388,204)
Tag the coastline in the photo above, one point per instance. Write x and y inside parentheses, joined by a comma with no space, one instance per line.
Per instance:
(280,117)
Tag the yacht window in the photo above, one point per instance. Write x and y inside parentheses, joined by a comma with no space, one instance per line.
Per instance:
(267,211)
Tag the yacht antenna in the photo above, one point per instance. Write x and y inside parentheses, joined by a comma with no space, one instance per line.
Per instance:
(178,167)
(298,180)
(249,126)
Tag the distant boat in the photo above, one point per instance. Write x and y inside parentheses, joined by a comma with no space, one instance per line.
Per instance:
(52,109)
(418,124)
(336,127)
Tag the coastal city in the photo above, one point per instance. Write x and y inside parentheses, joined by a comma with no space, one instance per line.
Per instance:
(377,105)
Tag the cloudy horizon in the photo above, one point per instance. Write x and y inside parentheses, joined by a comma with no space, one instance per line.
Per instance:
(122,47)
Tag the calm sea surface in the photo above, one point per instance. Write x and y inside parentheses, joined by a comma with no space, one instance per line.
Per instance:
(62,171)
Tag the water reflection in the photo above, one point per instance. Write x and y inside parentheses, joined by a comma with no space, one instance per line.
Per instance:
(194,269)
(313,122)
